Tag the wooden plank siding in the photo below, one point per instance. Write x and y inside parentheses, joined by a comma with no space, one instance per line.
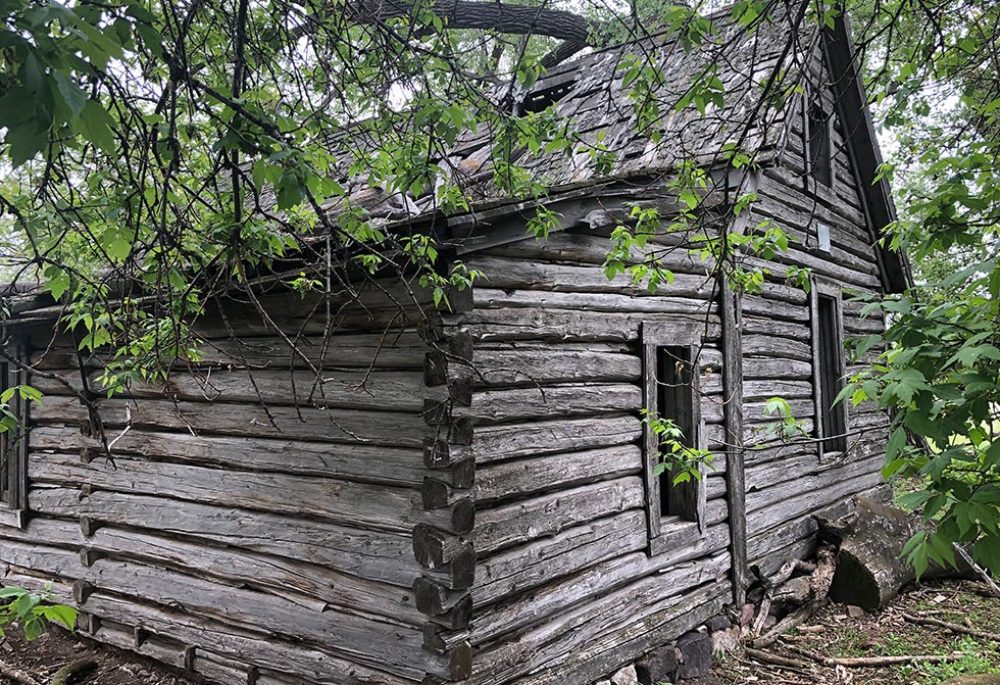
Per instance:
(561,534)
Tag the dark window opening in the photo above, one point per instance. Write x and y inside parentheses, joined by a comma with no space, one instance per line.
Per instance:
(676,400)
(13,456)
(833,417)
(818,129)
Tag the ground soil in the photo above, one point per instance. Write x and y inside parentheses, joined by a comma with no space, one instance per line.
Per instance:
(41,659)
(834,632)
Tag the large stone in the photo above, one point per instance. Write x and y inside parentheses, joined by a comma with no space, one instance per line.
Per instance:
(992,679)
(696,655)
(659,666)
(626,676)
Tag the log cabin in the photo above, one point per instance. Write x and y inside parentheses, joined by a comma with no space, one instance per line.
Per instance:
(469,493)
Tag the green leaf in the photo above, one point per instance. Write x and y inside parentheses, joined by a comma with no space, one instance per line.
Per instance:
(57,282)
(72,95)
(97,126)
(25,140)
(60,613)
(33,628)
(897,441)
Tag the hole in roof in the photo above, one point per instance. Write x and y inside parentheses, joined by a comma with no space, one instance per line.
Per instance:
(546,93)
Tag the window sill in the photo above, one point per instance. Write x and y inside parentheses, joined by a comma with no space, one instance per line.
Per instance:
(13,518)
(674,534)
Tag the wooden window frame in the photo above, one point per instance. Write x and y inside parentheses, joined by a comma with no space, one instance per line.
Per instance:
(667,532)
(14,445)
(827,289)
(813,103)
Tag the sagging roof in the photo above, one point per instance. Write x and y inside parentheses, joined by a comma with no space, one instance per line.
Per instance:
(755,73)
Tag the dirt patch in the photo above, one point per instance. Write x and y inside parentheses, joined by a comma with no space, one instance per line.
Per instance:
(41,659)
(834,633)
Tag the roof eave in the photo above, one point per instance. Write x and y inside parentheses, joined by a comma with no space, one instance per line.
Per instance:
(863,148)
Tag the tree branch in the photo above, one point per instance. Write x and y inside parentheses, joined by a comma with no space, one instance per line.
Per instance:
(473,14)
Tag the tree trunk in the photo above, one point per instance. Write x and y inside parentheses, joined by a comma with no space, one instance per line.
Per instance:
(473,14)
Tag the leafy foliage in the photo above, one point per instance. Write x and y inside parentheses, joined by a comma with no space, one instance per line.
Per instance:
(32,610)
(940,372)
(684,463)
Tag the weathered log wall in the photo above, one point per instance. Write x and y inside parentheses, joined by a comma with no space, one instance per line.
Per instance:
(256,521)
(564,588)
(786,483)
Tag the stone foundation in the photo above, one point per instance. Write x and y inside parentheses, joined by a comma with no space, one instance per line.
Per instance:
(689,656)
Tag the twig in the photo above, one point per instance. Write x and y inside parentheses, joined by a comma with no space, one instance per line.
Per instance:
(16,674)
(776,659)
(762,612)
(876,661)
(980,571)
(793,620)
(954,627)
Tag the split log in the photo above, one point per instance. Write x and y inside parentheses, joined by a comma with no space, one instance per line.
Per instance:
(870,567)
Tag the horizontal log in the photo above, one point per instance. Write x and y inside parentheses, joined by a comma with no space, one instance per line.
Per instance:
(600,623)
(759,368)
(567,324)
(592,249)
(546,515)
(402,349)
(289,578)
(491,299)
(497,406)
(356,504)
(548,602)
(392,390)
(379,556)
(263,650)
(519,274)
(534,564)
(509,441)
(365,463)
(393,429)
(531,367)
(522,477)
(771,346)
(764,518)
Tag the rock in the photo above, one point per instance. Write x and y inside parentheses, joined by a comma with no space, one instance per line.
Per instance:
(974,680)
(659,666)
(855,611)
(717,623)
(626,676)
(696,655)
